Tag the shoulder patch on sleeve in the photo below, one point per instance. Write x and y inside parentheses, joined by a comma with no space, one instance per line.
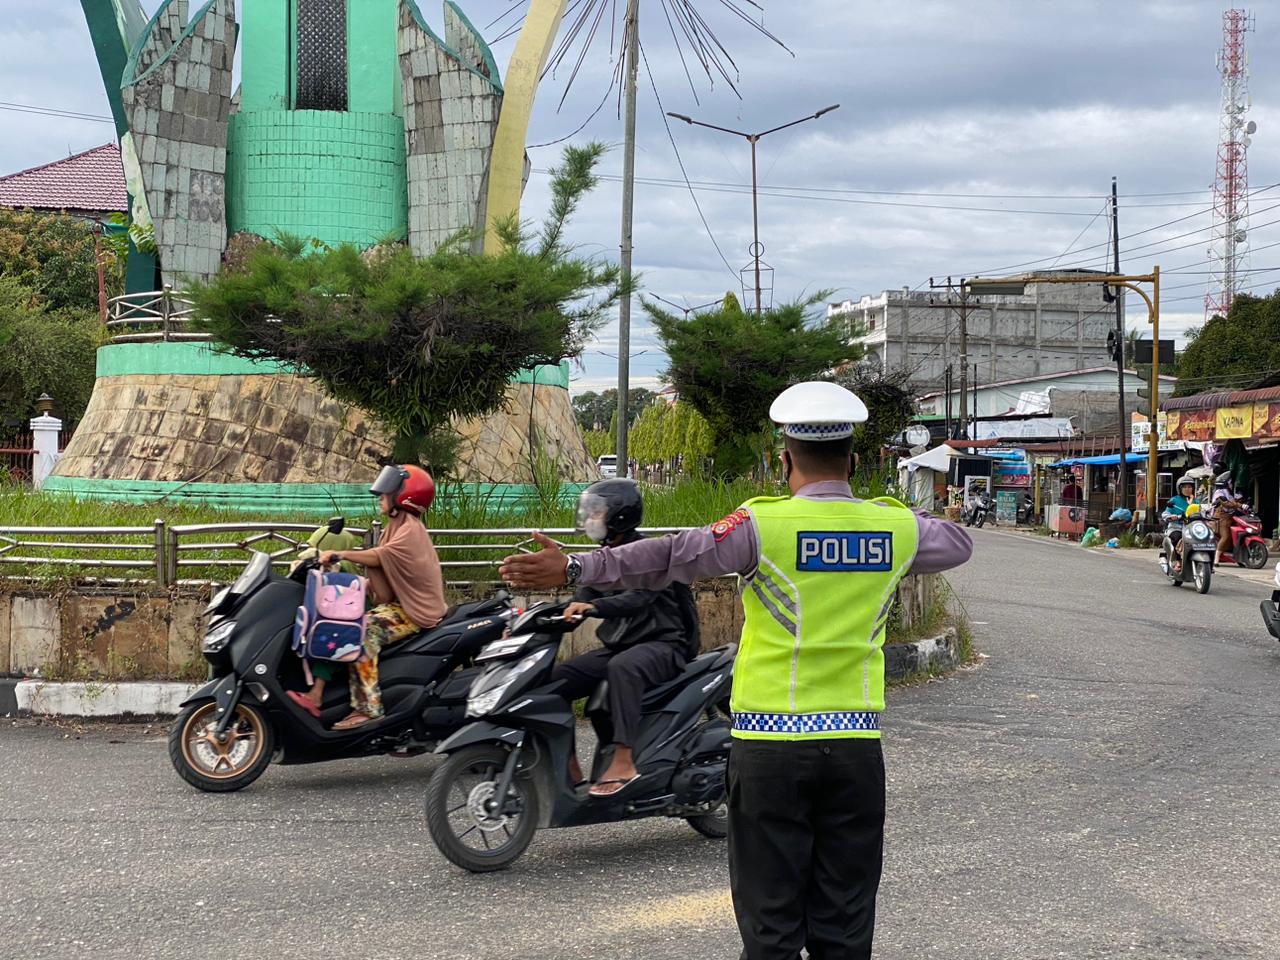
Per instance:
(722,528)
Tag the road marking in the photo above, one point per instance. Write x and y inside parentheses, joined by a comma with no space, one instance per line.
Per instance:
(685,910)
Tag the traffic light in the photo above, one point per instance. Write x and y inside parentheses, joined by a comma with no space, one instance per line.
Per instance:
(1144,392)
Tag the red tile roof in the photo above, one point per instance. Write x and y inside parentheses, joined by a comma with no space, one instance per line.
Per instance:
(91,182)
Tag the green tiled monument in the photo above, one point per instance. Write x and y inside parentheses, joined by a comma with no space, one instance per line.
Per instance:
(354,122)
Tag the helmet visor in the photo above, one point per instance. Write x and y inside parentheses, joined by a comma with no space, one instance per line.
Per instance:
(388,481)
(591,506)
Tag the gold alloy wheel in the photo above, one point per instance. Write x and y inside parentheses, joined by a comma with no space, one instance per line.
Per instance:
(240,749)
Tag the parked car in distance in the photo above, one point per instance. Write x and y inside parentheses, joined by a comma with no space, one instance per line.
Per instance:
(608,465)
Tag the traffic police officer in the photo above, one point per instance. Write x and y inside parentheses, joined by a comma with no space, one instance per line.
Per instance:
(806,775)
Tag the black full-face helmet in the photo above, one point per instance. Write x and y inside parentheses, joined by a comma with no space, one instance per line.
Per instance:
(610,507)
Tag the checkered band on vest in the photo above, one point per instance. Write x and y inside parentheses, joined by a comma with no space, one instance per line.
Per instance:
(807,723)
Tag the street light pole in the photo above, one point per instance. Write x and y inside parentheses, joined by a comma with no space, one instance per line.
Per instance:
(753,138)
(687,310)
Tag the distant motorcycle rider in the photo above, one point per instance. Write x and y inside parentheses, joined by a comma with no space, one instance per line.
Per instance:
(1177,506)
(1226,504)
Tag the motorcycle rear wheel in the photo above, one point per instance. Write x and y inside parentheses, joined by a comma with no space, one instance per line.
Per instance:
(455,797)
(1255,556)
(714,825)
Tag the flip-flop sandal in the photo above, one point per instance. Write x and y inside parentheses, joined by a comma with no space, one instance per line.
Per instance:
(304,702)
(351,723)
(622,785)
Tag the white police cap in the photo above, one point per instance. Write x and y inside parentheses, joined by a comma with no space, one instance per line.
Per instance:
(817,410)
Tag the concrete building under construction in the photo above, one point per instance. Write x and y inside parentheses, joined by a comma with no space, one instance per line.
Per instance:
(1052,328)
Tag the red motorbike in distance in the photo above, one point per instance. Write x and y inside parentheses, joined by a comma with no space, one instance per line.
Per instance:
(1248,547)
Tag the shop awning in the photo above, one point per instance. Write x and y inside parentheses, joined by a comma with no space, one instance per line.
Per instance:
(936,459)
(1112,460)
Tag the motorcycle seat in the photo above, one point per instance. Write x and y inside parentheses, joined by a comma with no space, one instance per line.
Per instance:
(656,697)
(474,608)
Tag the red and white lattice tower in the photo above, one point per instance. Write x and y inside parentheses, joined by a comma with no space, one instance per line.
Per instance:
(1228,249)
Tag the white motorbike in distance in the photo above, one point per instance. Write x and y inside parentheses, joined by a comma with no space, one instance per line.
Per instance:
(1271,608)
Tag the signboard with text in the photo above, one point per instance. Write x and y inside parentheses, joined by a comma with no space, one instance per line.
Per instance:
(1140,433)
(1246,421)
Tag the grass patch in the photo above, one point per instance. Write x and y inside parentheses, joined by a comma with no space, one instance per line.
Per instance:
(692,502)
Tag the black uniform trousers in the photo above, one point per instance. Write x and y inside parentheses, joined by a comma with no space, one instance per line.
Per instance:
(630,671)
(806,833)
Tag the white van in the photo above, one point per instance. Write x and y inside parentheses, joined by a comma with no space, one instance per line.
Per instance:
(608,465)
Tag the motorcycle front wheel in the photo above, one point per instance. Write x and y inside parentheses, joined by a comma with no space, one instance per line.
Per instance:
(1202,573)
(982,518)
(220,766)
(1255,555)
(463,827)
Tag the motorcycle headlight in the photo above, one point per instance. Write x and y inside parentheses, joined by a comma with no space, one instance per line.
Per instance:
(1199,530)
(484,701)
(218,636)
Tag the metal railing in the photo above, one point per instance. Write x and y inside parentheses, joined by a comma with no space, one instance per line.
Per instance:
(149,317)
(188,554)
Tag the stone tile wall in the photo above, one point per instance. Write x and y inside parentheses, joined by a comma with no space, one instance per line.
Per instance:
(279,428)
(450,117)
(177,100)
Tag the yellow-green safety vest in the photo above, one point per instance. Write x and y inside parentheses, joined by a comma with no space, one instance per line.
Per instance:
(810,665)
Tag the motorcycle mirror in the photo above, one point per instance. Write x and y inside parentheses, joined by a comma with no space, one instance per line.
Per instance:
(337,524)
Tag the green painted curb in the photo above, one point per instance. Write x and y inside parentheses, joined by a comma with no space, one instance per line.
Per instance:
(273,499)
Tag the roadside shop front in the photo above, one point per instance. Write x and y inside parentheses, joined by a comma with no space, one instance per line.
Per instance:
(1240,432)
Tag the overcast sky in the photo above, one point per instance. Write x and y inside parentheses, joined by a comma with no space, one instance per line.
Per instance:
(1022,111)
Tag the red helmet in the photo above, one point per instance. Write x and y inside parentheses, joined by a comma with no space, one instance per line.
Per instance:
(410,487)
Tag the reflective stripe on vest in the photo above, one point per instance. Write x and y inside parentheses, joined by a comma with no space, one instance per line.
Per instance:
(810,665)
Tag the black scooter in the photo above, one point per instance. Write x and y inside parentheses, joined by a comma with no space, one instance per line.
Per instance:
(507,774)
(232,727)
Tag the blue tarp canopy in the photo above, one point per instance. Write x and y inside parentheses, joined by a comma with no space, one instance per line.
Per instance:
(1110,460)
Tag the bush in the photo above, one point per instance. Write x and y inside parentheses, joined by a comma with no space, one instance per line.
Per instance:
(43,350)
(53,255)
(730,365)
(418,343)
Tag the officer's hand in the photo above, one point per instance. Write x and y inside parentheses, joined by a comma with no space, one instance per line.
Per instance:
(577,611)
(535,571)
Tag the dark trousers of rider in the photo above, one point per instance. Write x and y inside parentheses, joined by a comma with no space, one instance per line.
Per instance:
(630,672)
(806,833)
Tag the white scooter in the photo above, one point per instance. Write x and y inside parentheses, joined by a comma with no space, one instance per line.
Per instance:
(1271,608)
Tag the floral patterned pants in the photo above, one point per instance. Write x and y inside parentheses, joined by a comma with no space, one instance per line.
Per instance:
(384,625)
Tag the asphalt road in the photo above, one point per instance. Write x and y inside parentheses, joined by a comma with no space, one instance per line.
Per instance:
(1103,784)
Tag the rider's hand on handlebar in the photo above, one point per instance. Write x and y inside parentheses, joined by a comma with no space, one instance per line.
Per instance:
(576,612)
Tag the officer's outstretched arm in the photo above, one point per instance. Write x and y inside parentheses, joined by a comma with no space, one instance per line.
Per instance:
(941,544)
(730,546)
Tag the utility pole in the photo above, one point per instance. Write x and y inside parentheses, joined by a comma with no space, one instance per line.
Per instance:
(948,395)
(975,398)
(632,29)
(962,312)
(1119,294)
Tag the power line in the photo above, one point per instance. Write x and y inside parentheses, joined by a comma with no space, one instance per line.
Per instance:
(53,112)
(814,195)
(953,195)
(680,162)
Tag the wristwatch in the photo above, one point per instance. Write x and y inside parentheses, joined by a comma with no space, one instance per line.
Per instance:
(572,570)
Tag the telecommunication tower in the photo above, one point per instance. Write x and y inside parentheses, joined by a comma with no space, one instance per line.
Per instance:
(1229,248)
